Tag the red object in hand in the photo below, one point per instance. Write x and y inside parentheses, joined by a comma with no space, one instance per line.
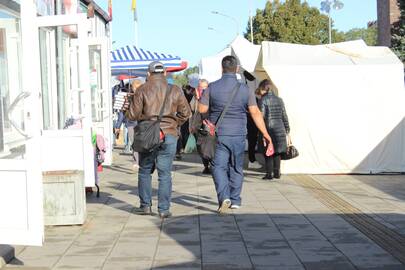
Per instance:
(199,93)
(161,136)
(211,127)
(269,149)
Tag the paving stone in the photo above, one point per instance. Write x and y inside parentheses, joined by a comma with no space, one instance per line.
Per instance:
(280,226)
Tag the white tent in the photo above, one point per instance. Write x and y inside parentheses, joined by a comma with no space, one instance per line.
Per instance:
(246,52)
(346,105)
(241,48)
(210,67)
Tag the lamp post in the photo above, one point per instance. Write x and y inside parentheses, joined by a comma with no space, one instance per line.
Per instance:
(229,17)
(326,7)
(251,20)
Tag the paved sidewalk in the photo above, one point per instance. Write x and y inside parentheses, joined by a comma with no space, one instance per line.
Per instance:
(298,222)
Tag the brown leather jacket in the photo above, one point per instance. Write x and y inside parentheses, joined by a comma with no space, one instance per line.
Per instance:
(148,101)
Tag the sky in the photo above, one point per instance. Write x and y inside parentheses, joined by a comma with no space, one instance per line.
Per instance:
(180,27)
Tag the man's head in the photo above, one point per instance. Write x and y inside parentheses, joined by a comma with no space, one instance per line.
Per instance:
(156,67)
(229,64)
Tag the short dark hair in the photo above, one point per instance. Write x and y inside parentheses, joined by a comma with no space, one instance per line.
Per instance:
(229,64)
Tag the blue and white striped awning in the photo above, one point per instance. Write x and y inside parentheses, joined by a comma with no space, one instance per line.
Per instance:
(130,60)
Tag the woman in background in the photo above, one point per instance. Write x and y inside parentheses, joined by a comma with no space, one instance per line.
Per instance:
(276,120)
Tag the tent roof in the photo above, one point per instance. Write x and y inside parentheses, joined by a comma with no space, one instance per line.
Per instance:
(345,53)
(210,67)
(131,60)
(246,52)
(241,48)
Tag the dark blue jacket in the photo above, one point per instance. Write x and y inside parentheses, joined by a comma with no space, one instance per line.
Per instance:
(218,94)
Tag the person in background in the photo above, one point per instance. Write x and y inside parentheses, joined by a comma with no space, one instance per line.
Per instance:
(253,136)
(135,84)
(188,90)
(128,125)
(117,88)
(196,119)
(275,117)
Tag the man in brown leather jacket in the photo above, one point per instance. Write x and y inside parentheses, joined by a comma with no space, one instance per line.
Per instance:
(146,104)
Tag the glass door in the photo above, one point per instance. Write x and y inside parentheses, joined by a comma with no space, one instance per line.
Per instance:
(101,98)
(66,96)
(20,174)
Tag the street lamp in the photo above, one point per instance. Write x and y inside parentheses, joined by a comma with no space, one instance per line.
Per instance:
(326,6)
(229,17)
(251,20)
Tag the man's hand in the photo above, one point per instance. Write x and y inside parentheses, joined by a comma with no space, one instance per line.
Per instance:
(269,147)
(117,131)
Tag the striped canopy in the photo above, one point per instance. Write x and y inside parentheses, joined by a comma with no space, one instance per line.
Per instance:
(133,61)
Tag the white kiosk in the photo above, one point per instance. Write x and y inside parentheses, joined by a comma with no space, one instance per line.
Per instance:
(54,89)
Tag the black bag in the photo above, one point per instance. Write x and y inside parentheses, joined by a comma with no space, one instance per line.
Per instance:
(147,132)
(196,119)
(291,153)
(206,142)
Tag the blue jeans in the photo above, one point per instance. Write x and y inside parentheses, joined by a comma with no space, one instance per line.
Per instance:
(163,158)
(227,168)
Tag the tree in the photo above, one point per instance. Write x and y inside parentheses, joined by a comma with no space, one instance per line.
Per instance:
(292,22)
(369,35)
(181,79)
(398,33)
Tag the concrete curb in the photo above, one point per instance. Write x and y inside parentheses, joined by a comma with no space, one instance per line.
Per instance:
(6,254)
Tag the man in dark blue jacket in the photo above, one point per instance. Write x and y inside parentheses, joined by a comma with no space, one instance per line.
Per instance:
(229,155)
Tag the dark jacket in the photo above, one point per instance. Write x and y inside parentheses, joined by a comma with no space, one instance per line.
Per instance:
(276,120)
(148,100)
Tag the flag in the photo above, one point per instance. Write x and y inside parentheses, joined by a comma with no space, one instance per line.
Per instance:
(110,9)
(133,8)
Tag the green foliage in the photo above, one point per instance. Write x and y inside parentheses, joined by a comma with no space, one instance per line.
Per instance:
(398,33)
(181,78)
(369,35)
(293,22)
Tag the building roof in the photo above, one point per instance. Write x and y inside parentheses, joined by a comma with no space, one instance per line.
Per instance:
(98,9)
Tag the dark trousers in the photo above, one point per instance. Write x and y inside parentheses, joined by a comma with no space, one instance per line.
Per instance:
(252,135)
(206,162)
(183,137)
(162,158)
(273,164)
(228,168)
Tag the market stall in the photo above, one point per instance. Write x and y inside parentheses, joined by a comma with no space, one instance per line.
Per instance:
(345,104)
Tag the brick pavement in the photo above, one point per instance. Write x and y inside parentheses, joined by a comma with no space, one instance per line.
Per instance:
(282,225)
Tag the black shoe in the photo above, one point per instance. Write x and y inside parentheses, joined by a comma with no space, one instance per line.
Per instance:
(179,157)
(145,210)
(277,175)
(268,176)
(163,215)
(206,170)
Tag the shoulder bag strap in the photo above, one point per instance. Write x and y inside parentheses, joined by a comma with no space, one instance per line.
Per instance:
(221,117)
(164,102)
